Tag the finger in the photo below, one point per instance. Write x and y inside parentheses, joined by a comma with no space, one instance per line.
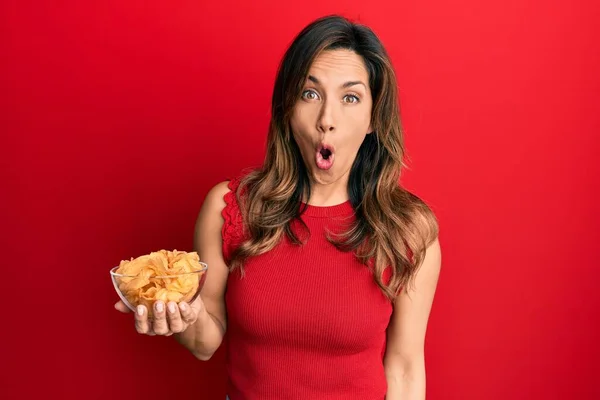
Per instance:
(174,317)
(160,325)
(141,320)
(119,305)
(188,315)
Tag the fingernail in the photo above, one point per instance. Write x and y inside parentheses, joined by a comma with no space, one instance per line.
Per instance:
(159,306)
(171,307)
(140,310)
(183,306)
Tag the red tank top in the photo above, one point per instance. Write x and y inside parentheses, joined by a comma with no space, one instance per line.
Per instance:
(303,322)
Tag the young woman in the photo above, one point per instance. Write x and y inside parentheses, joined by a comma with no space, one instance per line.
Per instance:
(322,268)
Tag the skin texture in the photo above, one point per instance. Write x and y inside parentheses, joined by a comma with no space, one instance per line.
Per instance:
(332,113)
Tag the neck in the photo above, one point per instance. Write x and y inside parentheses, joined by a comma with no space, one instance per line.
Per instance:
(325,194)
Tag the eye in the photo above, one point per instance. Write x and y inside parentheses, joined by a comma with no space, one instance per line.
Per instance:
(351,99)
(310,95)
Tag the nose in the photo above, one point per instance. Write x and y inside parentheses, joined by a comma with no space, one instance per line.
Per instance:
(326,120)
(326,128)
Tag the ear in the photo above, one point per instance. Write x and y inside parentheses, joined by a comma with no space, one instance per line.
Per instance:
(370,130)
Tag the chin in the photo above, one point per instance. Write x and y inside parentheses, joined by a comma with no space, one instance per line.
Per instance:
(325,177)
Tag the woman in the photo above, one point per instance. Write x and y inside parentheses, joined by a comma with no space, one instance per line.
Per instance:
(322,268)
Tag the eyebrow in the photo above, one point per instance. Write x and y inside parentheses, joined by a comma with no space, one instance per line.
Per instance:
(345,85)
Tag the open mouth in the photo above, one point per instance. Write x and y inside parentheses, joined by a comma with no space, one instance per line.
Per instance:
(324,157)
(325,153)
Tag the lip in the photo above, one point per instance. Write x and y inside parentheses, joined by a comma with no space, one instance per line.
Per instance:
(321,163)
(327,146)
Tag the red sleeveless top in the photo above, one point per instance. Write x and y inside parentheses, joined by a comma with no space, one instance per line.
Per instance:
(304,322)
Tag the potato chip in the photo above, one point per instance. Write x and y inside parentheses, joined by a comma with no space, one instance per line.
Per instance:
(174,296)
(161,275)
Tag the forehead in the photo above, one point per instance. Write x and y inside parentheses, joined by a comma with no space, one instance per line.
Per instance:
(334,66)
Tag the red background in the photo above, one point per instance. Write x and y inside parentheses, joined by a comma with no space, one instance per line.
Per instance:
(117,118)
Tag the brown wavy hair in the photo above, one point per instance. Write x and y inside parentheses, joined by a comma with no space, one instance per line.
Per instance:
(393,227)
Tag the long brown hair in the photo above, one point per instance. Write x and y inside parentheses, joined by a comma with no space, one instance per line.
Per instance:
(392,227)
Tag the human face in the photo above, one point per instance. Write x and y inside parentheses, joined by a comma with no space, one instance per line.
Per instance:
(333,115)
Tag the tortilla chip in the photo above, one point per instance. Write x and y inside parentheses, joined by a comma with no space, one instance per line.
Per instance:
(161,275)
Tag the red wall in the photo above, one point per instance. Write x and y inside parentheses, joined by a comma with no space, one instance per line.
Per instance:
(116,120)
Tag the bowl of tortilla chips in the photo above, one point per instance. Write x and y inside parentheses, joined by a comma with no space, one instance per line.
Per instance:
(161,275)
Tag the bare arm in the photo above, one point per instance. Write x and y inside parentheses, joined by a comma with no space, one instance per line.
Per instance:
(204,337)
(404,360)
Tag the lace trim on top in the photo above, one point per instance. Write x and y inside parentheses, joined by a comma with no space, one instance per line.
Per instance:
(233,225)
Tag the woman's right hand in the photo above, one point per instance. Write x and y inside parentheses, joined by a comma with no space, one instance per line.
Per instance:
(167,320)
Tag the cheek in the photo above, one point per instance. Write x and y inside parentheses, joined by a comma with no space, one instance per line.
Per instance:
(357,125)
(300,125)
(356,141)
(365,118)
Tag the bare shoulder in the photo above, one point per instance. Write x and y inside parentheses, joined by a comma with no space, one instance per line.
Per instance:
(427,227)
(212,206)
(208,244)
(220,189)
(432,262)
(215,198)
(412,308)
